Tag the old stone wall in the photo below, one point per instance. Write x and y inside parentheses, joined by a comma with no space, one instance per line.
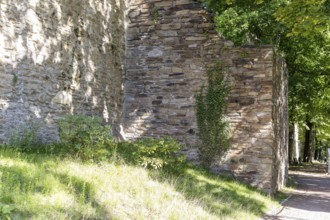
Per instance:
(166,49)
(140,63)
(250,113)
(169,45)
(59,57)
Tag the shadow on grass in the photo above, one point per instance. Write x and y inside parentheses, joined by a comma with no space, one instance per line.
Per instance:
(37,175)
(18,183)
(84,192)
(21,180)
(28,179)
(220,195)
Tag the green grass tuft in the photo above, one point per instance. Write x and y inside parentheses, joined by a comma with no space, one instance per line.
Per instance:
(40,186)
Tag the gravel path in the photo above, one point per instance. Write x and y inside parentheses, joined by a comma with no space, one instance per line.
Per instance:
(310,201)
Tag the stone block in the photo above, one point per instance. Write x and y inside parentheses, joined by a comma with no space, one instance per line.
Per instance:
(170,26)
(164,66)
(167,33)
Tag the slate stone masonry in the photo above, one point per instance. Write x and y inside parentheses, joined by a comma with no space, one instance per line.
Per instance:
(169,45)
(60,57)
(139,65)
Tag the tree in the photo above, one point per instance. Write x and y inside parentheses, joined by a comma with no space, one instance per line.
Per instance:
(248,22)
(299,29)
(303,24)
(306,18)
(309,99)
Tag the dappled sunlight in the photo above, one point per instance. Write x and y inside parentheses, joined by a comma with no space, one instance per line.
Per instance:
(61,200)
(229,184)
(43,186)
(60,57)
(138,125)
(128,188)
(46,186)
(9,162)
(248,140)
(221,196)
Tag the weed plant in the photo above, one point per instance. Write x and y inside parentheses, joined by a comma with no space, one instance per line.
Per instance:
(144,179)
(41,186)
(25,137)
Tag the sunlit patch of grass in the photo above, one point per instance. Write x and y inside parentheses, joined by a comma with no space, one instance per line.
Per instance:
(50,187)
(222,196)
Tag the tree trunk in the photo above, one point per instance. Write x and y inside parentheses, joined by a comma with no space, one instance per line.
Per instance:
(308,142)
(313,144)
(291,137)
(296,153)
(317,149)
(316,154)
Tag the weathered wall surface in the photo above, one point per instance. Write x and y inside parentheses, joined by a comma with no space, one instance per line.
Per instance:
(169,44)
(67,56)
(166,49)
(250,113)
(59,57)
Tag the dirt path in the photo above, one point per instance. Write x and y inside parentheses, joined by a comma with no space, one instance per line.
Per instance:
(310,201)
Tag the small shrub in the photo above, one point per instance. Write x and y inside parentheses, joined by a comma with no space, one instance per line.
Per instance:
(85,137)
(25,138)
(6,210)
(152,153)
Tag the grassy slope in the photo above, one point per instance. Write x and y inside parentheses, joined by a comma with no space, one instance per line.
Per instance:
(49,187)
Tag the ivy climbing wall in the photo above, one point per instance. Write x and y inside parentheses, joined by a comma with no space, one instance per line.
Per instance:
(140,63)
(169,45)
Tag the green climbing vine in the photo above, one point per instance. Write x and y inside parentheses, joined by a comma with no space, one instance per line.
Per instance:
(211,104)
(156,16)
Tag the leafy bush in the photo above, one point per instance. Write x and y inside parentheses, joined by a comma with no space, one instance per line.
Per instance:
(85,137)
(25,138)
(152,153)
(6,210)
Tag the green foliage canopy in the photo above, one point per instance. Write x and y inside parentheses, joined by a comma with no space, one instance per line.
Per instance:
(300,30)
(305,18)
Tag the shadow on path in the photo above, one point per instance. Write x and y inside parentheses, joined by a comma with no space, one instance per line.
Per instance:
(311,199)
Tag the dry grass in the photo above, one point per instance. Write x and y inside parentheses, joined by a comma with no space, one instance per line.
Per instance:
(50,187)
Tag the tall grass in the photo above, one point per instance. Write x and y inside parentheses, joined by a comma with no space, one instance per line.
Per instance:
(40,186)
